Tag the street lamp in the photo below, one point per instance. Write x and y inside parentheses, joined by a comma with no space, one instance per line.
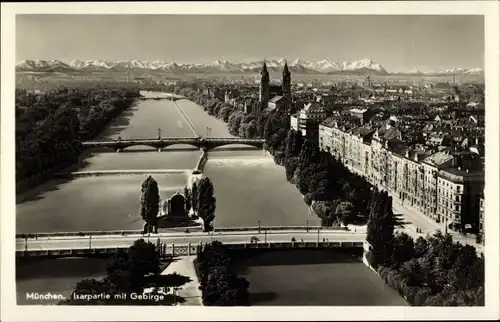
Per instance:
(259,226)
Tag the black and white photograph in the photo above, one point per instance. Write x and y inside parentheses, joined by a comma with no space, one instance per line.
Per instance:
(250,159)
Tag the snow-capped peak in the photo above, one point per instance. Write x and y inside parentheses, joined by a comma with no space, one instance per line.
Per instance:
(364,66)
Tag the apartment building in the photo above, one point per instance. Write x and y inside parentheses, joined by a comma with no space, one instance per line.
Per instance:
(359,148)
(428,194)
(308,119)
(459,193)
(436,184)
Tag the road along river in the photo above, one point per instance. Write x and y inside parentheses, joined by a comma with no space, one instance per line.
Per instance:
(250,190)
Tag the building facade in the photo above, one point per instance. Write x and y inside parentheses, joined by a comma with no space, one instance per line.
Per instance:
(459,194)
(432,184)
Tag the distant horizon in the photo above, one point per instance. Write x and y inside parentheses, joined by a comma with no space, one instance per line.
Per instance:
(289,61)
(398,43)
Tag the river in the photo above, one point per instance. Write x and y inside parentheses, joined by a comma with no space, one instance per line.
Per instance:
(250,190)
(248,186)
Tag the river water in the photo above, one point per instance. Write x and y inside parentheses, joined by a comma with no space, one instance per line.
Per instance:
(250,189)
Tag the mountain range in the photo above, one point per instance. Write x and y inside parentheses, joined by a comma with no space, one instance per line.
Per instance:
(359,67)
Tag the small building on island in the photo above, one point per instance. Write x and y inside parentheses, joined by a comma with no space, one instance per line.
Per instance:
(175,207)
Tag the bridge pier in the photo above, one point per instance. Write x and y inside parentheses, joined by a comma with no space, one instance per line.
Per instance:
(118,150)
(160,149)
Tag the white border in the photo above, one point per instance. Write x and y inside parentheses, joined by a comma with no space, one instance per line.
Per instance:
(11,312)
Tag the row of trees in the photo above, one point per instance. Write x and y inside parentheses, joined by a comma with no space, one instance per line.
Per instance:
(50,126)
(128,272)
(219,284)
(427,271)
(239,124)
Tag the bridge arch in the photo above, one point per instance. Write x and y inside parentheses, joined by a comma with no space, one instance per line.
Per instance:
(139,147)
(162,144)
(214,145)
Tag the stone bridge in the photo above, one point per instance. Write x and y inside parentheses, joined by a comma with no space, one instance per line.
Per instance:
(160,144)
(158,98)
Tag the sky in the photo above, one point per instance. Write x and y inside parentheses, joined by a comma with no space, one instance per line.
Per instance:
(399,43)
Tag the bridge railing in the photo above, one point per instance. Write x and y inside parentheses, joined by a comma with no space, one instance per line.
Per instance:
(166,139)
(193,248)
(176,230)
(277,228)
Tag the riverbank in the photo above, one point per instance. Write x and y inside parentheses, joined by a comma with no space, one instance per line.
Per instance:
(66,151)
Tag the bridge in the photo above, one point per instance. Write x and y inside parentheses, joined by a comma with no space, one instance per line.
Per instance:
(161,143)
(183,243)
(171,97)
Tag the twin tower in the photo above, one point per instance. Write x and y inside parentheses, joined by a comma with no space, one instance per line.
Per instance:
(265,88)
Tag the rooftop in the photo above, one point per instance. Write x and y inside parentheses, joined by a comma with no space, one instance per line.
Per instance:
(438,158)
(329,122)
(460,176)
(362,130)
(312,107)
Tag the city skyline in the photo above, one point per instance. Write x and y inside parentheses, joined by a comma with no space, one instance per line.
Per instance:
(398,43)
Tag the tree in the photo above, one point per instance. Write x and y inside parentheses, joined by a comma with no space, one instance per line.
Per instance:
(225,113)
(380,229)
(323,210)
(128,271)
(218,282)
(403,249)
(234,122)
(194,197)
(150,203)
(346,211)
(119,275)
(290,167)
(187,195)
(144,258)
(205,202)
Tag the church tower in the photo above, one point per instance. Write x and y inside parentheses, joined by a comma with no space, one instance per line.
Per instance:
(264,86)
(286,87)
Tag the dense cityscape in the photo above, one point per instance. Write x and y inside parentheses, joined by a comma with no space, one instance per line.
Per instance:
(265,183)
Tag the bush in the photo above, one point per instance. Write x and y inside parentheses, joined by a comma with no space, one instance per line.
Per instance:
(370,258)
(410,293)
(308,199)
(421,296)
